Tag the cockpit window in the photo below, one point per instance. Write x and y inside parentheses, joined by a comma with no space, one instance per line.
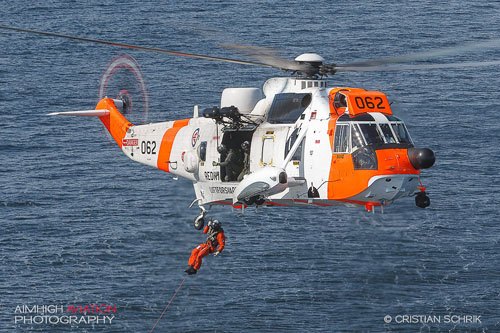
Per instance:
(392,118)
(387,133)
(349,136)
(341,142)
(357,137)
(401,133)
(371,134)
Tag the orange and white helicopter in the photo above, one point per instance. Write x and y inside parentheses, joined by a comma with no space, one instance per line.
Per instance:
(310,144)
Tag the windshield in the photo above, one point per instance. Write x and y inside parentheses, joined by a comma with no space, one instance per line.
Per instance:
(370,133)
(357,137)
(401,132)
(387,133)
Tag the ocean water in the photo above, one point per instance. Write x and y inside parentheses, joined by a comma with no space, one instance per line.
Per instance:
(81,224)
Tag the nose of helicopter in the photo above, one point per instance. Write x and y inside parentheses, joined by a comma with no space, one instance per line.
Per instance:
(421,158)
(387,188)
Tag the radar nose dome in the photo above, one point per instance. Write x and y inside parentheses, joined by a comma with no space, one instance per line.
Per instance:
(421,158)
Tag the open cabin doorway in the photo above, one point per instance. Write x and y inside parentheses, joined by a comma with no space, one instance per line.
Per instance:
(232,159)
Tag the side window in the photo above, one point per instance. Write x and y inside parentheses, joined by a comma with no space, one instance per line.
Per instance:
(341,141)
(202,150)
(297,156)
(288,107)
(291,141)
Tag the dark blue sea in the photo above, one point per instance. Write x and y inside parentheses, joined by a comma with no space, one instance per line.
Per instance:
(81,224)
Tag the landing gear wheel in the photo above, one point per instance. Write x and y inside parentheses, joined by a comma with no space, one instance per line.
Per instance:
(422,200)
(250,201)
(199,222)
(256,200)
(260,201)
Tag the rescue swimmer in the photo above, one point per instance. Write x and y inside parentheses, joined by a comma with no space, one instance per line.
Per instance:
(216,240)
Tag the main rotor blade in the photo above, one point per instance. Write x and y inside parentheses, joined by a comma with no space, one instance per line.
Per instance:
(136,47)
(416,67)
(266,55)
(424,55)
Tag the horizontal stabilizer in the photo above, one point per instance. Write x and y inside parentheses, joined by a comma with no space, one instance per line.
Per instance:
(84,113)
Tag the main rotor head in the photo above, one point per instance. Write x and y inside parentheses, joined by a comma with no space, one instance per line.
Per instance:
(314,63)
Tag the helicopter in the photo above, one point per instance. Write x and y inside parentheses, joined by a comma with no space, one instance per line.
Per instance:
(298,141)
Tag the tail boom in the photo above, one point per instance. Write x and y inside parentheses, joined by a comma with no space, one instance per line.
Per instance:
(115,122)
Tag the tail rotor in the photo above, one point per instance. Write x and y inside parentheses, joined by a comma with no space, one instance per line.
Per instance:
(123,80)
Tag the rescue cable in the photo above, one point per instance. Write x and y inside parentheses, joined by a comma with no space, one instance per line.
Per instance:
(191,292)
(169,302)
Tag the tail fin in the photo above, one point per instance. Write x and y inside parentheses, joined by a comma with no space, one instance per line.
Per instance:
(115,122)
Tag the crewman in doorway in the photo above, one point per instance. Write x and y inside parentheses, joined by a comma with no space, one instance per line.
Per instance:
(245,147)
(215,240)
(231,163)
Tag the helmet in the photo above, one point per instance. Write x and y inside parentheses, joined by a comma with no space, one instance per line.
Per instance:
(216,224)
(245,145)
(222,149)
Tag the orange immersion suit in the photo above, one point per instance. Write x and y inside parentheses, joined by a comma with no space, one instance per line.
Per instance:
(215,238)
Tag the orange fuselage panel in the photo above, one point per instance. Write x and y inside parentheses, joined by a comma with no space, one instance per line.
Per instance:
(346,182)
(115,122)
(358,101)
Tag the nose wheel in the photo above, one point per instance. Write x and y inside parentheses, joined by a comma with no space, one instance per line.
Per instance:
(254,200)
(422,200)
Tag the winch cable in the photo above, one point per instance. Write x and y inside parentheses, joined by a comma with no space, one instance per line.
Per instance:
(169,302)
(191,292)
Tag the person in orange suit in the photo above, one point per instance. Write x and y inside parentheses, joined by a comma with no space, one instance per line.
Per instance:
(215,240)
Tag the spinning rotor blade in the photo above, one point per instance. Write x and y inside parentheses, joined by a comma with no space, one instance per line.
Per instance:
(136,47)
(267,58)
(123,80)
(416,67)
(425,55)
